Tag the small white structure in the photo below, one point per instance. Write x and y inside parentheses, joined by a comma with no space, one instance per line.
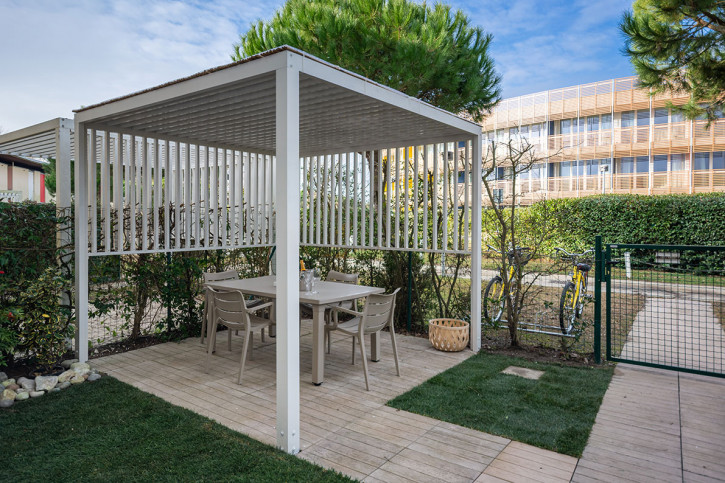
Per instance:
(50,139)
(222,159)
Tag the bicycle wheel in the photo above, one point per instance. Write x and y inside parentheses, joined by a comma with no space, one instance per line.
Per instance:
(494,302)
(567,312)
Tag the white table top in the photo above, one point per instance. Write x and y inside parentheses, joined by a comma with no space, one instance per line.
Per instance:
(323,292)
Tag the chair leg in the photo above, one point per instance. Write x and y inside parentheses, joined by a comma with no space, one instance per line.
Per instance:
(247,343)
(251,346)
(204,321)
(353,350)
(395,349)
(328,336)
(210,346)
(229,338)
(364,360)
(263,335)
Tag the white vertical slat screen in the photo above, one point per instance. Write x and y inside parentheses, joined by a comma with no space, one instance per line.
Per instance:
(157,195)
(162,195)
(408,198)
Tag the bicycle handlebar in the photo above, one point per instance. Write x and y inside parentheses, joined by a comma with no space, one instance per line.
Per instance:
(573,255)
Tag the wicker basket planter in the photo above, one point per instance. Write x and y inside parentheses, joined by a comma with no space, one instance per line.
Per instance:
(450,335)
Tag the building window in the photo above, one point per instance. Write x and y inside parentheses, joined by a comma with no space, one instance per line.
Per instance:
(628,119)
(626,165)
(593,123)
(676,116)
(677,162)
(643,117)
(565,169)
(661,115)
(659,163)
(566,126)
(718,160)
(461,176)
(642,164)
(702,161)
(592,167)
(606,121)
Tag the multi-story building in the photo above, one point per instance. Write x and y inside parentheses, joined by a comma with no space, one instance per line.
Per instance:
(608,137)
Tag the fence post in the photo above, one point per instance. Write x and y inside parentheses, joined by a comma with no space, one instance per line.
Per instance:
(410,291)
(598,272)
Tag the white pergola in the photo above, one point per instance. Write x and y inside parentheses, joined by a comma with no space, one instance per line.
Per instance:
(279,149)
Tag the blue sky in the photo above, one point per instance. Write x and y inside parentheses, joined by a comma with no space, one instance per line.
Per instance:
(58,56)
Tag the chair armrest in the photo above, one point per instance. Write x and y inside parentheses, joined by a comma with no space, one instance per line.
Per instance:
(347,311)
(259,307)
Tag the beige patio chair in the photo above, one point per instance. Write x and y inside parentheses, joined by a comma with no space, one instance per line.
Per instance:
(334,276)
(230,310)
(220,277)
(377,315)
(213,277)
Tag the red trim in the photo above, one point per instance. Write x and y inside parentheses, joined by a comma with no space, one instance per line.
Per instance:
(42,188)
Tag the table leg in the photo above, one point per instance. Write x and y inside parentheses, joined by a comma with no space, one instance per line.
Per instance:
(318,344)
(273,316)
(375,347)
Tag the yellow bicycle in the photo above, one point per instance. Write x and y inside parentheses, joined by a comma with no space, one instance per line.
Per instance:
(495,300)
(574,293)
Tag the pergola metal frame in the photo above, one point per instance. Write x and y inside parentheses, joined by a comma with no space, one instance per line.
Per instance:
(231,143)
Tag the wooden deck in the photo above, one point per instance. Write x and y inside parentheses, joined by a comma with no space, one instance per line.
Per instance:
(343,426)
(657,425)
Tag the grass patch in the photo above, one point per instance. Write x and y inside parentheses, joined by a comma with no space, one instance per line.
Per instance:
(556,412)
(110,431)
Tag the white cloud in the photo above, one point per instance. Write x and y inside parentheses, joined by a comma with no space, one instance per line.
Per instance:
(67,54)
(540,45)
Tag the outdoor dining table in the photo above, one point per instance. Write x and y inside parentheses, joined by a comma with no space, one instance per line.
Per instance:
(321,297)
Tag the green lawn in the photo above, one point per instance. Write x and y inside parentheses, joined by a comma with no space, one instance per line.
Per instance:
(556,412)
(110,431)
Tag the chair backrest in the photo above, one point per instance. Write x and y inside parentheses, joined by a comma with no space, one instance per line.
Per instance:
(229,307)
(220,276)
(333,276)
(379,310)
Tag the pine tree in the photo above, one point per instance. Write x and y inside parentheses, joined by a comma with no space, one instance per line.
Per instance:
(679,46)
(431,53)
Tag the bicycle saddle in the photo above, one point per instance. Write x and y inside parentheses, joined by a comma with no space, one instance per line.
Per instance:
(584,267)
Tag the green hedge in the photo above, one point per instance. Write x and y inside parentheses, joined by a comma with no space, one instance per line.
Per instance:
(697,219)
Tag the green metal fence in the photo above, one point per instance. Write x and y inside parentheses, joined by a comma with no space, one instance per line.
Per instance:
(665,306)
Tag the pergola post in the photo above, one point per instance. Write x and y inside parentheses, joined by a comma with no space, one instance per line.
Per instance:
(81,242)
(476,246)
(287,237)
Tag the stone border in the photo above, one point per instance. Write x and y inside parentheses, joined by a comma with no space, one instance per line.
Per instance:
(24,388)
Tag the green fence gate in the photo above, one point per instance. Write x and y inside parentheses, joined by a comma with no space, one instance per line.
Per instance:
(665,306)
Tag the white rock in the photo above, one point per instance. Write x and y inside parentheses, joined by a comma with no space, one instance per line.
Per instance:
(3,377)
(81,367)
(6,403)
(37,393)
(45,383)
(21,396)
(67,376)
(94,377)
(7,382)
(63,385)
(67,363)
(78,379)
(27,384)
(8,395)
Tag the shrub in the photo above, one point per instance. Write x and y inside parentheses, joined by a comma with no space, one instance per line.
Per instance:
(43,326)
(8,334)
